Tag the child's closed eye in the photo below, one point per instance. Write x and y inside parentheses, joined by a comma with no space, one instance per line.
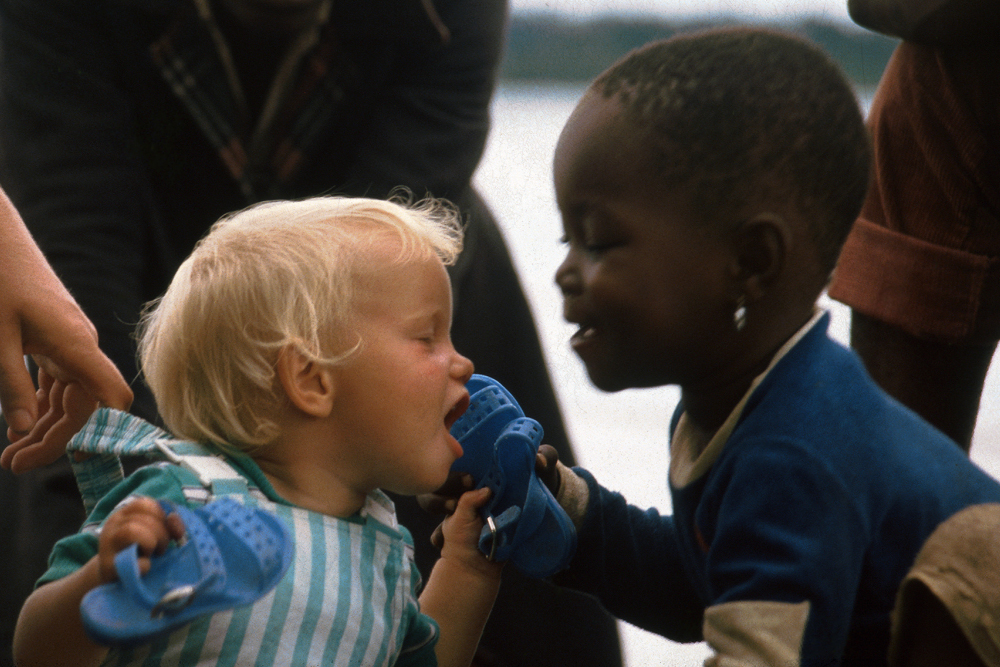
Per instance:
(432,335)
(600,247)
(591,247)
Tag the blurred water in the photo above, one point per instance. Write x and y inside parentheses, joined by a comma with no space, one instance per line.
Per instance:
(622,437)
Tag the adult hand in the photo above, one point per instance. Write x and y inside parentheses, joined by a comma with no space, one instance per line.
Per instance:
(38,316)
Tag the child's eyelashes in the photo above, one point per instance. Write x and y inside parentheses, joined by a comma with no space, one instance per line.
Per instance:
(424,336)
(599,250)
(596,247)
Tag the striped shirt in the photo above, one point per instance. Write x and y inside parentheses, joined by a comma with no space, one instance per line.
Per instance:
(349,597)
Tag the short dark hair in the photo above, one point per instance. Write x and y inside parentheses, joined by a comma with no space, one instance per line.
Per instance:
(751,118)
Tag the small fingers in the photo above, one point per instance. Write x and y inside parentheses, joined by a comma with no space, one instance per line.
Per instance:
(546,467)
(471,501)
(437,537)
(175,526)
(445,499)
(140,521)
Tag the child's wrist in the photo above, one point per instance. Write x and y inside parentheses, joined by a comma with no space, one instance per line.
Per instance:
(469,564)
(91,574)
(573,494)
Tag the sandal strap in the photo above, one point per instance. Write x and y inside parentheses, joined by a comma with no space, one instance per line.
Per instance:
(519,516)
(199,567)
(203,549)
(263,542)
(198,555)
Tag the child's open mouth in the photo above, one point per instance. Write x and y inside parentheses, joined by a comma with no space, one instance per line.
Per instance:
(584,334)
(457,411)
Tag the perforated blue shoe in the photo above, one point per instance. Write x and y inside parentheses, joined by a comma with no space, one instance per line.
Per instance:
(231,555)
(524,523)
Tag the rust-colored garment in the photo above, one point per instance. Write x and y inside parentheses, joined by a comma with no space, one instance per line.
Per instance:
(924,254)
(959,565)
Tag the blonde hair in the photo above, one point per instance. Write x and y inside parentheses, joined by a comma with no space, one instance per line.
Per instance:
(274,275)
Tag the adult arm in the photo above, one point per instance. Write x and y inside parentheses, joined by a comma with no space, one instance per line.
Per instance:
(68,157)
(940,381)
(919,267)
(929,21)
(38,316)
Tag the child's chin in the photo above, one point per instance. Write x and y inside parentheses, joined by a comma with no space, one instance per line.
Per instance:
(418,487)
(608,382)
(436,483)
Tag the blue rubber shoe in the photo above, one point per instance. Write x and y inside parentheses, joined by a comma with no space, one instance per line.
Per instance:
(524,522)
(231,555)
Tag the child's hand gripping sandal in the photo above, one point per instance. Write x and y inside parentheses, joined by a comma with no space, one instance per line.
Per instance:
(231,555)
(524,522)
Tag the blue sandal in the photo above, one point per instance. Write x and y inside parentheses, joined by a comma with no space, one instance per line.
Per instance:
(524,522)
(231,555)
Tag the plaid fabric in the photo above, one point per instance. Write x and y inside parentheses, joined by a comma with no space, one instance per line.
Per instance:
(260,154)
(102,470)
(110,434)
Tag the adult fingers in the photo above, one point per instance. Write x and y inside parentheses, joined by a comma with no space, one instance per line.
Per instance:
(17,391)
(71,407)
(90,367)
(46,441)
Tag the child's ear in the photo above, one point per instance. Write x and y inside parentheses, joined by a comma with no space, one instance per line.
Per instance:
(762,245)
(307,384)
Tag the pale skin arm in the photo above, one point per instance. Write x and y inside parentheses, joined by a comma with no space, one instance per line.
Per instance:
(53,610)
(463,584)
(38,316)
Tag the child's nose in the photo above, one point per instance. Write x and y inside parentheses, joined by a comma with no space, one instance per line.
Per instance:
(462,367)
(568,277)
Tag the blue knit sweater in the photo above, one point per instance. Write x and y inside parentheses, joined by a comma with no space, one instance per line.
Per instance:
(818,501)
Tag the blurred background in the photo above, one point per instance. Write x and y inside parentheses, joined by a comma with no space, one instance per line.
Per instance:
(554,49)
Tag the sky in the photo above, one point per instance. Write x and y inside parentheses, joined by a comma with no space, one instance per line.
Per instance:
(765,10)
